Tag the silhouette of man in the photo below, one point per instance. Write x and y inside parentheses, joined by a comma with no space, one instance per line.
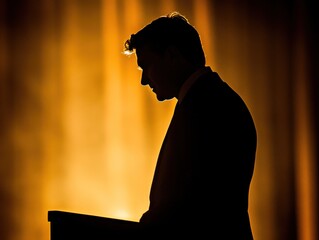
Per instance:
(206,162)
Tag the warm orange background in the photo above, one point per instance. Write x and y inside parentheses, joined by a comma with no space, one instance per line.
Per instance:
(79,133)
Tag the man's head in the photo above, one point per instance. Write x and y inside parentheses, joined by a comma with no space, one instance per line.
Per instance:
(168,50)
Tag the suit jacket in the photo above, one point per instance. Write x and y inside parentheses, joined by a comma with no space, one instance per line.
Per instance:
(205,166)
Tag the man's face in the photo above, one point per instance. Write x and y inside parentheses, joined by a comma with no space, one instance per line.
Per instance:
(157,72)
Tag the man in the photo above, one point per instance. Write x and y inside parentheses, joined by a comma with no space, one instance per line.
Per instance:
(205,165)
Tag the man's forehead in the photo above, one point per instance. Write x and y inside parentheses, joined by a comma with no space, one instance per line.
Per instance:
(143,50)
(143,53)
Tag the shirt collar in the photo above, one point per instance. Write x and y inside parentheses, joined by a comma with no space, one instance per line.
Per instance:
(190,81)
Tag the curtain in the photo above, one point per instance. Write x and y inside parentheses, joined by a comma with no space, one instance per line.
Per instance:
(79,133)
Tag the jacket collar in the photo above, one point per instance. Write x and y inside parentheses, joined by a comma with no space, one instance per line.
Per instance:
(190,81)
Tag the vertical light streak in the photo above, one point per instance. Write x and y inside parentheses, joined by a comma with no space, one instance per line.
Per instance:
(305,162)
(204,25)
(114,107)
(82,112)
(51,119)
(72,157)
(137,150)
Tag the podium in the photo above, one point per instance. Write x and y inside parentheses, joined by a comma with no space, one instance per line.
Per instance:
(68,226)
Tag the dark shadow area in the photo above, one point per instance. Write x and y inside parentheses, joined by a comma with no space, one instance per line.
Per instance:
(67,225)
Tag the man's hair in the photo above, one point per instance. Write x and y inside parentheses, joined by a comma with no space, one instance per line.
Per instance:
(171,30)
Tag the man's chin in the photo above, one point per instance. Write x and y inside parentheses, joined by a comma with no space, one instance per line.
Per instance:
(160,98)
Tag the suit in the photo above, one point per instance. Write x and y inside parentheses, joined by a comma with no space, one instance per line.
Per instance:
(205,165)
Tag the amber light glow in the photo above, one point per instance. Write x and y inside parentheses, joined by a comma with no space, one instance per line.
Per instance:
(80,133)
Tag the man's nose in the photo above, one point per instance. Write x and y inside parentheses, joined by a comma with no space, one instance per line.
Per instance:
(144,80)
